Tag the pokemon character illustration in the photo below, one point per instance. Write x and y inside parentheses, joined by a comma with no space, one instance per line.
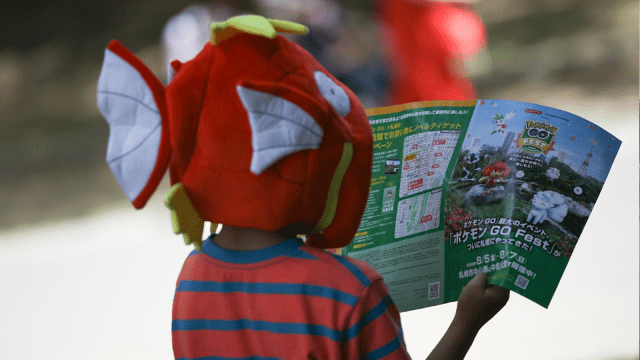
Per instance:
(470,160)
(495,172)
(547,205)
(553,174)
(254,131)
(498,122)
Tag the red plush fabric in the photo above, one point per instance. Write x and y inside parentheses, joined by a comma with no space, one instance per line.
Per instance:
(212,149)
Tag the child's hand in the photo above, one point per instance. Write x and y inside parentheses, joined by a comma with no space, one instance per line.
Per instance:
(479,302)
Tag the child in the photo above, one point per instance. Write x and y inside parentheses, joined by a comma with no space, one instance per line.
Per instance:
(259,137)
(268,295)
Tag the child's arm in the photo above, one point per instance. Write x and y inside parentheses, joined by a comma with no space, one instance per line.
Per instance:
(477,304)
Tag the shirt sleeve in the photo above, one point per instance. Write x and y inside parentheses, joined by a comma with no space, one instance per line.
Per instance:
(374,330)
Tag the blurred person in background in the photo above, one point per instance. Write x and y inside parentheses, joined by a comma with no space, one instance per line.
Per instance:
(334,39)
(425,45)
(345,47)
(185,34)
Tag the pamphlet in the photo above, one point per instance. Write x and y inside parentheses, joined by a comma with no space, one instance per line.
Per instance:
(461,187)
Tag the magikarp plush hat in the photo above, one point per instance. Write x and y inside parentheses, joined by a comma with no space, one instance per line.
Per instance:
(255,133)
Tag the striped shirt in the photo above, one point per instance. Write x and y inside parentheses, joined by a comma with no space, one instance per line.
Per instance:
(288,301)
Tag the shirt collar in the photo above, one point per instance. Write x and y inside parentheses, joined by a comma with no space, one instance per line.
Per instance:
(289,247)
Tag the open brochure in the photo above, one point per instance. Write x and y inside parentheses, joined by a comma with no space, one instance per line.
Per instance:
(458,187)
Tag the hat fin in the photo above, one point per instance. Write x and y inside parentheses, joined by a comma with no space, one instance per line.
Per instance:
(253,24)
(279,128)
(184,217)
(131,99)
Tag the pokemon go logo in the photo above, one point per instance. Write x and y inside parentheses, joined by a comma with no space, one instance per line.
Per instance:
(537,137)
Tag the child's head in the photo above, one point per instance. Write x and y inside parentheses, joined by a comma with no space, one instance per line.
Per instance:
(262,136)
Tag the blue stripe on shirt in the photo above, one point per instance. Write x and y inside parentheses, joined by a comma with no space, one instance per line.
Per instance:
(385,350)
(371,315)
(257,325)
(268,288)
(354,269)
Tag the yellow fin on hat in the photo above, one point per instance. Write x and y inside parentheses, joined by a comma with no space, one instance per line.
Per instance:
(184,217)
(253,24)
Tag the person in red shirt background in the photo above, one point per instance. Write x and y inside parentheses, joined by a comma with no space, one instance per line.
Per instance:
(425,44)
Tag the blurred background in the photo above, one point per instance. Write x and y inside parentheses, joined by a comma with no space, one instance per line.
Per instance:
(85,276)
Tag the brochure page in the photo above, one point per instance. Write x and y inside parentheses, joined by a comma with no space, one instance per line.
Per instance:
(524,185)
(461,187)
(402,230)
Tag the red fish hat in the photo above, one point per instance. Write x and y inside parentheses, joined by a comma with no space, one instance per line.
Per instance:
(255,132)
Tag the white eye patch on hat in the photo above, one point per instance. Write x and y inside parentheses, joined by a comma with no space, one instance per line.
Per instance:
(334,93)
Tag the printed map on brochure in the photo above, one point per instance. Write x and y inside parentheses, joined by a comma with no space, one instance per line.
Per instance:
(425,157)
(494,186)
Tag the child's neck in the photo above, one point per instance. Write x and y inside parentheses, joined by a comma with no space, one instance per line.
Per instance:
(246,239)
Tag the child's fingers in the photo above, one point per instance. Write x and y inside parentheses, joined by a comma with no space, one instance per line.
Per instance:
(480,280)
(491,292)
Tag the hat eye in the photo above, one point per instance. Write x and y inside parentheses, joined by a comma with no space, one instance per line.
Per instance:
(334,93)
